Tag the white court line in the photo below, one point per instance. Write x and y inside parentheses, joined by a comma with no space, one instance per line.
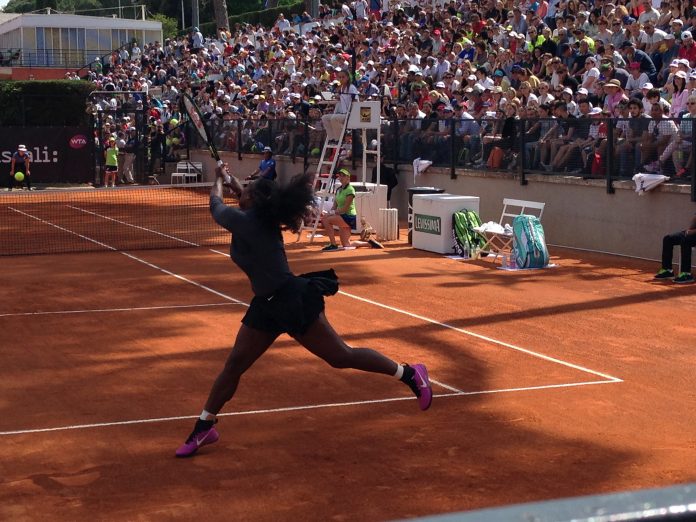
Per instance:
(135,258)
(292,408)
(455,391)
(484,338)
(100,310)
(135,226)
(609,378)
(446,386)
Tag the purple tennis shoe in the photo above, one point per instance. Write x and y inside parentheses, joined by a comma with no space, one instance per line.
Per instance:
(416,377)
(203,433)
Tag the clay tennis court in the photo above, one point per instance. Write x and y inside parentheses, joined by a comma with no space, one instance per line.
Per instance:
(563,382)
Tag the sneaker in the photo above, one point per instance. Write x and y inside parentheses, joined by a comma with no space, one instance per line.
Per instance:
(203,434)
(664,273)
(330,248)
(375,244)
(416,377)
(684,277)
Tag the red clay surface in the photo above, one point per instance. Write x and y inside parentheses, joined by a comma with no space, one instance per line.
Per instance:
(611,408)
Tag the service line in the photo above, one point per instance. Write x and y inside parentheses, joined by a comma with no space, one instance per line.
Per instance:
(288,409)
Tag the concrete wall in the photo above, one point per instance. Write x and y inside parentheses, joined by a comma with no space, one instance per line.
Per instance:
(578,214)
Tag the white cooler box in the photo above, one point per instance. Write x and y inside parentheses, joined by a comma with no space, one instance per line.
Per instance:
(432,220)
(369,198)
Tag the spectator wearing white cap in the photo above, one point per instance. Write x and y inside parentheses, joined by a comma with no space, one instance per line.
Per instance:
(687,50)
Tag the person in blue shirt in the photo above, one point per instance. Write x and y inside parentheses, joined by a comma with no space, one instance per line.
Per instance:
(267,167)
(21,162)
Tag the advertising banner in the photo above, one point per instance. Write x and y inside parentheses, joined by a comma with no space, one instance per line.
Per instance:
(59,154)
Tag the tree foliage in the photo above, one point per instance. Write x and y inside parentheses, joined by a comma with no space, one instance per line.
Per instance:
(39,103)
(169,8)
(169,25)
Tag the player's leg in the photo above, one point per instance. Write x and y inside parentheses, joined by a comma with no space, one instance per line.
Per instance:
(323,341)
(688,241)
(668,244)
(248,347)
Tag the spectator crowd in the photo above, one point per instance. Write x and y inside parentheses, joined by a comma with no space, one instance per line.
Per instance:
(553,85)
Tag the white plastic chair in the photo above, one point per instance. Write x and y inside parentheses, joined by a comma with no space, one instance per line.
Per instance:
(501,243)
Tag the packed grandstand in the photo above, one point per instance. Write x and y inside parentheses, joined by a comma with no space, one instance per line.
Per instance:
(555,86)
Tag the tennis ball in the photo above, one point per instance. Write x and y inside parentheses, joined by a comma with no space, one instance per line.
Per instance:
(173,122)
(316,151)
(19,176)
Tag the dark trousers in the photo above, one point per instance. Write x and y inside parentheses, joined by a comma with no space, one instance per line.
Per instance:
(11,182)
(686,242)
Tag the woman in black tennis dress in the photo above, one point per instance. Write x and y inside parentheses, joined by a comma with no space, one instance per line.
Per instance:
(283,302)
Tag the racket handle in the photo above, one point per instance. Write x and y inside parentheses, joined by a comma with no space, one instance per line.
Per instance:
(226,176)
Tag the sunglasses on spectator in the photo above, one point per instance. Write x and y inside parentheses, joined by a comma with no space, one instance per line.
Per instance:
(691,103)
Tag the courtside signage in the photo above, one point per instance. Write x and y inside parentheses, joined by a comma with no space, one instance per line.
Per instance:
(78,141)
(427,224)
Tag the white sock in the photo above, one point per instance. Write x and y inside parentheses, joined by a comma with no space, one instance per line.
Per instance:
(399,371)
(206,415)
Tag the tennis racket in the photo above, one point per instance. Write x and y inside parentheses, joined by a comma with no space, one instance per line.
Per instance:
(196,118)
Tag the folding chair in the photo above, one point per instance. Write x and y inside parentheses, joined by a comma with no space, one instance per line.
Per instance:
(501,243)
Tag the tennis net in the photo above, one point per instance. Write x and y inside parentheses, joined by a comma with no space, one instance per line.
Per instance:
(107,219)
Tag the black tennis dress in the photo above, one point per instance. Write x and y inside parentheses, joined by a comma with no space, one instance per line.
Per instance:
(283,302)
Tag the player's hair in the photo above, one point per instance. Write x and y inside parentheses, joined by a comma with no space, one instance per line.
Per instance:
(284,206)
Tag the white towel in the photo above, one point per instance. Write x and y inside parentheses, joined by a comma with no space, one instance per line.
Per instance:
(645,182)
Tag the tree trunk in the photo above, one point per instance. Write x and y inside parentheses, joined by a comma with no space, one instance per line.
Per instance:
(221,19)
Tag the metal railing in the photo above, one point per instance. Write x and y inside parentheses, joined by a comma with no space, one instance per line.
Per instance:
(47,58)
(589,147)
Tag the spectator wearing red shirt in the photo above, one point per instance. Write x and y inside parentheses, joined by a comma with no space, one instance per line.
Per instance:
(688,48)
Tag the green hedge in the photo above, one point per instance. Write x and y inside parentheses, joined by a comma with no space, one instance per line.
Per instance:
(266,17)
(44,103)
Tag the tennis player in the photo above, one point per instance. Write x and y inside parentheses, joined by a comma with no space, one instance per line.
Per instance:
(283,302)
